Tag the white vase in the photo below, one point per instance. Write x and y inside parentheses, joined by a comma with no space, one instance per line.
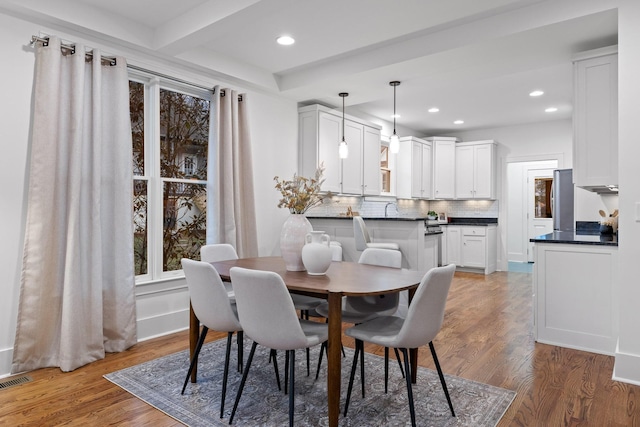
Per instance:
(316,253)
(292,240)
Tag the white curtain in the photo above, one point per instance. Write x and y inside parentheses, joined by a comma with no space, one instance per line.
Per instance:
(231,211)
(77,286)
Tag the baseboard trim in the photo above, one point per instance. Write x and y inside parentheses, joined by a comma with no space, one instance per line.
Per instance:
(6,359)
(626,368)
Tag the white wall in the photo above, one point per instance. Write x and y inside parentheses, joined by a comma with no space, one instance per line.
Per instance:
(161,307)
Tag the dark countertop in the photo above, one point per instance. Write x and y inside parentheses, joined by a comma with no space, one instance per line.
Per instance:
(472,221)
(374,218)
(578,238)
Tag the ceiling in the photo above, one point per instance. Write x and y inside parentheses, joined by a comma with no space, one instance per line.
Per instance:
(474,60)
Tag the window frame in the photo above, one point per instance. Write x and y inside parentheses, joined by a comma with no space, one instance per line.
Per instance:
(155,182)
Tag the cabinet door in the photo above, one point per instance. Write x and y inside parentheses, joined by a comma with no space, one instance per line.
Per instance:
(352,165)
(329,133)
(483,168)
(465,172)
(453,237)
(416,170)
(596,121)
(371,162)
(426,171)
(444,163)
(473,251)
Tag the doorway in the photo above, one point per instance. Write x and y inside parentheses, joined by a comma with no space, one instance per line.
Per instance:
(521,207)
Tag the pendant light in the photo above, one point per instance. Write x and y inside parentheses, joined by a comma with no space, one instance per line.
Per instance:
(394,140)
(343,149)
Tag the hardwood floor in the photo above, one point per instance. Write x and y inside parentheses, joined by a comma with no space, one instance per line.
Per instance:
(486,337)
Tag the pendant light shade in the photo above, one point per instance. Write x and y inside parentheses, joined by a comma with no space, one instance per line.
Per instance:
(394,140)
(343,148)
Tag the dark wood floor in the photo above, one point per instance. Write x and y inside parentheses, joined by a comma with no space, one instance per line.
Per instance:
(486,337)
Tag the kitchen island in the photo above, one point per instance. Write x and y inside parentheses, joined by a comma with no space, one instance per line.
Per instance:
(420,250)
(575,282)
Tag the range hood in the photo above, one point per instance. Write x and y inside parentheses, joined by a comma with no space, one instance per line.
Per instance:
(601,189)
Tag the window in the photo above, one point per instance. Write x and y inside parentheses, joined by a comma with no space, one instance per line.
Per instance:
(170,127)
(542,197)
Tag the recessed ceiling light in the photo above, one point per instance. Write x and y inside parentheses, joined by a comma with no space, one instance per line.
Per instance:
(458,122)
(536,93)
(285,40)
(551,110)
(433,110)
(395,116)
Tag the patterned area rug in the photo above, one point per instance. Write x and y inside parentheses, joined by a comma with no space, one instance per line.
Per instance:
(159,382)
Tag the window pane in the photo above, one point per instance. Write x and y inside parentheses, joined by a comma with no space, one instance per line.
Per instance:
(136,107)
(184,222)
(140,238)
(184,135)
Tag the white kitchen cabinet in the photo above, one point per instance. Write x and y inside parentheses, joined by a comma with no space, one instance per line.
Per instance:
(471,248)
(444,164)
(475,170)
(414,169)
(595,118)
(320,131)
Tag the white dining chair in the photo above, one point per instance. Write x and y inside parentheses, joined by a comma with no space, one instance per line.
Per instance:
(269,318)
(363,239)
(422,324)
(219,252)
(215,311)
(357,309)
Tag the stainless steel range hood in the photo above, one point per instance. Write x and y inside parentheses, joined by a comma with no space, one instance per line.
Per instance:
(601,189)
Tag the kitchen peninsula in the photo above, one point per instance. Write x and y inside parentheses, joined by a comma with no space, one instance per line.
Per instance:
(575,285)
(420,250)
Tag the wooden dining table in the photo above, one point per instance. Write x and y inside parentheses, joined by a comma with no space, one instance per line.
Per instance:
(342,279)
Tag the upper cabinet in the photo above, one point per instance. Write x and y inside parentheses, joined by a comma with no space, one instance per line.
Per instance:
(414,169)
(475,170)
(595,119)
(320,131)
(444,163)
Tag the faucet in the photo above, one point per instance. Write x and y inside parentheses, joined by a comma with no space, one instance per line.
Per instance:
(386,206)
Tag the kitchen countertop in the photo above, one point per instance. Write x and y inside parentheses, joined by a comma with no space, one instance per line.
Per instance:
(577,238)
(472,221)
(374,218)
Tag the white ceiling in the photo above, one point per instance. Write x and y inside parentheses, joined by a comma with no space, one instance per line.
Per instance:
(475,60)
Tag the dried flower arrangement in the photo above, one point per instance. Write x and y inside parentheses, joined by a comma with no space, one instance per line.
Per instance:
(301,194)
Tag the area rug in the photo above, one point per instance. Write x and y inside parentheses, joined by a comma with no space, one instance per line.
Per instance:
(159,382)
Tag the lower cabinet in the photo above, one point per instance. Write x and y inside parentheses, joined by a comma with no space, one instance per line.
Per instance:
(472,248)
(574,296)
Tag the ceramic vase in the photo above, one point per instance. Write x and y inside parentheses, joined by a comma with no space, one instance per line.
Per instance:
(316,253)
(292,240)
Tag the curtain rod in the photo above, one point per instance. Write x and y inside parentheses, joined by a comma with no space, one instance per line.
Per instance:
(112,61)
(71,48)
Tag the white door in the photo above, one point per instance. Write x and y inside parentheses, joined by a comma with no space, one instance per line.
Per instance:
(539,218)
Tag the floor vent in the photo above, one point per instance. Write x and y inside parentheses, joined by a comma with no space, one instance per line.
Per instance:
(10,382)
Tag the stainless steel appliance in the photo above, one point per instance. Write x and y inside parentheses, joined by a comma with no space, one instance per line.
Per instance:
(562,200)
(431,226)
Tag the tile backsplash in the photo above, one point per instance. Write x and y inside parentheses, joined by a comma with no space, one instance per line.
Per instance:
(375,207)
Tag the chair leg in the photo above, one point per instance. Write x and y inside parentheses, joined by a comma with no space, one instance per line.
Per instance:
(362,366)
(240,342)
(292,370)
(194,359)
(286,371)
(442,381)
(354,365)
(244,379)
(226,373)
(399,361)
(386,369)
(405,353)
(323,347)
(272,356)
